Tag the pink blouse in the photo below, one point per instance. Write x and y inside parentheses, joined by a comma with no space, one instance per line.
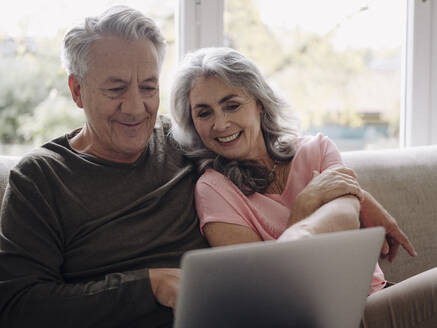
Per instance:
(219,200)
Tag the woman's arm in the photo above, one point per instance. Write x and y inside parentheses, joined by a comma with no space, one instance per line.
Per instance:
(373,214)
(222,234)
(336,181)
(332,183)
(339,214)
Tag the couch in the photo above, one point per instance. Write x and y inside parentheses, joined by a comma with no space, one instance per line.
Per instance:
(404,181)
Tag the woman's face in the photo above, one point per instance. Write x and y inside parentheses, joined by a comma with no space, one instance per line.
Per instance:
(227,120)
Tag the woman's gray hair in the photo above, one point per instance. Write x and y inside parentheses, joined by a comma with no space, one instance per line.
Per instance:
(119,21)
(279,128)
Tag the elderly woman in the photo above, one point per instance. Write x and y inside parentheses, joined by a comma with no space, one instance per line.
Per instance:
(260,180)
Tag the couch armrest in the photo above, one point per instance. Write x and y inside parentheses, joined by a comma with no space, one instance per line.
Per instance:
(404,181)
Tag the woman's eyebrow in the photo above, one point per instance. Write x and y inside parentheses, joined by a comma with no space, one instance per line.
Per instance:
(221,101)
(226,98)
(200,106)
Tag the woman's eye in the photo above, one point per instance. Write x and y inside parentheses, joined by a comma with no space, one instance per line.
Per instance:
(203,114)
(232,107)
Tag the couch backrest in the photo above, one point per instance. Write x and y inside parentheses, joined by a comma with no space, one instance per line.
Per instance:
(6,163)
(405,183)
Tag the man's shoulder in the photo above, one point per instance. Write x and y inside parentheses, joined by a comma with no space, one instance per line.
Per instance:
(163,123)
(52,151)
(163,139)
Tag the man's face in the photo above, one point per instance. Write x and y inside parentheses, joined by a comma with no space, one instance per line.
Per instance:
(120,97)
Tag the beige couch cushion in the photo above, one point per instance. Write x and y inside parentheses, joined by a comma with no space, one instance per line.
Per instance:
(405,182)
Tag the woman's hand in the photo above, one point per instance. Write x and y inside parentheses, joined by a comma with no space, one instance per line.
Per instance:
(372,214)
(334,182)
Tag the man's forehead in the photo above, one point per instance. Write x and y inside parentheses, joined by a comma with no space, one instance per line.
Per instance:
(116,58)
(113,42)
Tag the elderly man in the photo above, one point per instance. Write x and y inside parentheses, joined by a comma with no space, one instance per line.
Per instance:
(94,222)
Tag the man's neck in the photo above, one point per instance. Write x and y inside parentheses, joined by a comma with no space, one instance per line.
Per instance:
(82,142)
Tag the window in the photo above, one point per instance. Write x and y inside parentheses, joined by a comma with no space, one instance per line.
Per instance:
(35,103)
(412,25)
(337,62)
(347,105)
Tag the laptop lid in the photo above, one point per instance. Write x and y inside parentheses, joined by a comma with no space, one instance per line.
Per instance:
(321,281)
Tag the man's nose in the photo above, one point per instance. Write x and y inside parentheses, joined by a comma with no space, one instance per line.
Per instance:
(133,102)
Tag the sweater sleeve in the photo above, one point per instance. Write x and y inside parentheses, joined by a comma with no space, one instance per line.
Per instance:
(33,288)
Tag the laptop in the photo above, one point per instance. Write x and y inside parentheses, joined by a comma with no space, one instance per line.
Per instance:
(321,281)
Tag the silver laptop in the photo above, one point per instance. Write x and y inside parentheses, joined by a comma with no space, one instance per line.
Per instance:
(322,281)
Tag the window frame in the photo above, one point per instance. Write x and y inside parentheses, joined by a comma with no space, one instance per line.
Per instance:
(418,124)
(419,106)
(199,24)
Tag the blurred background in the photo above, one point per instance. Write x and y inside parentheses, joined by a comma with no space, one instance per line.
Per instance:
(338,63)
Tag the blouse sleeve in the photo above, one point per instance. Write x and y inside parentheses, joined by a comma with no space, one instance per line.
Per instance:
(330,154)
(219,200)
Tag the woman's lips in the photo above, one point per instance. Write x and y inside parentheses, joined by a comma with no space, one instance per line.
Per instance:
(230,138)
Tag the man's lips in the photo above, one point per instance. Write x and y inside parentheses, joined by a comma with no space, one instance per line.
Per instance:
(130,124)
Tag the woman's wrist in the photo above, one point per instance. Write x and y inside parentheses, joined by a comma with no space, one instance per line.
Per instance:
(297,231)
(303,206)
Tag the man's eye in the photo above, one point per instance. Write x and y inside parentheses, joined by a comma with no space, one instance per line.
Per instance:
(148,88)
(119,89)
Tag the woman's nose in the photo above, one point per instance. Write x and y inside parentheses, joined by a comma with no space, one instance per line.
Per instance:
(221,122)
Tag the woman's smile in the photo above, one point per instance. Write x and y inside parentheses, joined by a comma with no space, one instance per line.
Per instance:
(229,139)
(227,119)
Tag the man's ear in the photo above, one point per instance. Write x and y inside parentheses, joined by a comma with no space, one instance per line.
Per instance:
(75,85)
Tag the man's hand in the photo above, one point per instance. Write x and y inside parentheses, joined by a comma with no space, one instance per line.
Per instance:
(373,215)
(165,285)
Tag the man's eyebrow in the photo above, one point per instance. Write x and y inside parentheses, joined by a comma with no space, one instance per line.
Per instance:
(114,79)
(151,79)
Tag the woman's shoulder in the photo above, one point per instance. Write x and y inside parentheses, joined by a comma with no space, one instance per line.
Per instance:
(311,141)
(317,149)
(214,178)
(314,144)
(214,186)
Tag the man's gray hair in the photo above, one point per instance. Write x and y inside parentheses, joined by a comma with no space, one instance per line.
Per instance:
(278,126)
(117,21)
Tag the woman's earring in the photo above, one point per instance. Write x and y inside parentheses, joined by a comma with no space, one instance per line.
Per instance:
(264,115)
